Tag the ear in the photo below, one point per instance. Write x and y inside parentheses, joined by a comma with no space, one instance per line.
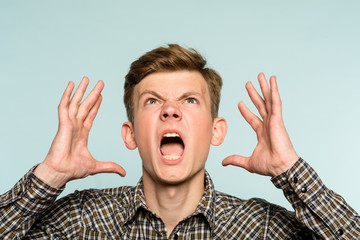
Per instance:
(219,131)
(127,133)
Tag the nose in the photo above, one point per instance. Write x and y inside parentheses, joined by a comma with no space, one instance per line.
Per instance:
(170,110)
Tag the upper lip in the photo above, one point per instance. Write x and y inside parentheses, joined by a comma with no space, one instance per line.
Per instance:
(176,133)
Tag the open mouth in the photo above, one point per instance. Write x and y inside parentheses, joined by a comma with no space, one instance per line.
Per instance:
(171,146)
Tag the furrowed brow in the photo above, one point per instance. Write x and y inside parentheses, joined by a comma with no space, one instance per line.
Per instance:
(188,94)
(155,94)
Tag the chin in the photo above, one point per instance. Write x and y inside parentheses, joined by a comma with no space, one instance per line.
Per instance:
(172,182)
(172,177)
(176,177)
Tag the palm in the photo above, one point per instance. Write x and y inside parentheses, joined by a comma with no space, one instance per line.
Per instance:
(69,157)
(274,152)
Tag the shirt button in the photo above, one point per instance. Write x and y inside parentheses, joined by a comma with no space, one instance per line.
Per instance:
(303,190)
(340,232)
(295,179)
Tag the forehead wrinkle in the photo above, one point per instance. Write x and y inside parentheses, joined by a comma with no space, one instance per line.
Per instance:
(202,93)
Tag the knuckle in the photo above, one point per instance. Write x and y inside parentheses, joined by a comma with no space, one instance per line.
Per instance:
(87,125)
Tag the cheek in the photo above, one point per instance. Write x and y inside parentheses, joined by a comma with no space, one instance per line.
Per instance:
(142,128)
(145,129)
(202,128)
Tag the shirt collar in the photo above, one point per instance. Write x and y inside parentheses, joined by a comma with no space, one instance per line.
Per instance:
(138,201)
(206,206)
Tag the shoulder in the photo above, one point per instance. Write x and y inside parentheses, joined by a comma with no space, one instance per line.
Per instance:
(93,210)
(255,218)
(93,203)
(258,208)
(227,201)
(80,201)
(102,196)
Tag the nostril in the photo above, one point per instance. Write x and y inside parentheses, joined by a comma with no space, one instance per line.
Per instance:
(170,111)
(165,115)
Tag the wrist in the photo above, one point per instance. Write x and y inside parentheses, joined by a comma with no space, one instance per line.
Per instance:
(285,165)
(50,176)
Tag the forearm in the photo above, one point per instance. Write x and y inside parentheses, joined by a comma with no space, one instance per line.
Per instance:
(320,209)
(21,205)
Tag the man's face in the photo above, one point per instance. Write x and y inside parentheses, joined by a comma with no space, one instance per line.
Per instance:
(173,125)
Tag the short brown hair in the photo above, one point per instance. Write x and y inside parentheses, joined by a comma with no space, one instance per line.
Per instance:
(167,59)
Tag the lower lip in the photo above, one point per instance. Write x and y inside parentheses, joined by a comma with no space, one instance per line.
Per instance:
(171,162)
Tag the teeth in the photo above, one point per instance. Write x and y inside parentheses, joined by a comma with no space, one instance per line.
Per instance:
(171,135)
(171,157)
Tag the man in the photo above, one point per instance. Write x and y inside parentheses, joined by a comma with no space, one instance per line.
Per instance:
(172,102)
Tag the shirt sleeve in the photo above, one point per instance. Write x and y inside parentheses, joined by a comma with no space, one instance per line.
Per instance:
(20,206)
(324,212)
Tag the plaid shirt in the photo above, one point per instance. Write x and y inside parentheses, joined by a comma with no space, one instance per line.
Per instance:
(29,211)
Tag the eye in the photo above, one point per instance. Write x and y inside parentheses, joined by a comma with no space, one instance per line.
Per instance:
(191,100)
(151,101)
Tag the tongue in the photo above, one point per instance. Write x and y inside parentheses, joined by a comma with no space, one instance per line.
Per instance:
(174,149)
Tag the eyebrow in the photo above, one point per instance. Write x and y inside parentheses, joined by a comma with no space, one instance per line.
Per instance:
(157,95)
(151,93)
(188,94)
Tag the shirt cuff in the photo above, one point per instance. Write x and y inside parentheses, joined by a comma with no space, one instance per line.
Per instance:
(31,190)
(300,183)
(42,189)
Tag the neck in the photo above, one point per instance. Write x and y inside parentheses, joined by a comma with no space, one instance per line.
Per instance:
(173,202)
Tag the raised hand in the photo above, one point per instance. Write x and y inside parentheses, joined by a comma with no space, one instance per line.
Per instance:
(274,152)
(69,157)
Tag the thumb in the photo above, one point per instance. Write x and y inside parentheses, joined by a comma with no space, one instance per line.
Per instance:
(108,167)
(236,160)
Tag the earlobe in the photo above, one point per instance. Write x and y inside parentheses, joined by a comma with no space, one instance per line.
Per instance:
(219,131)
(127,133)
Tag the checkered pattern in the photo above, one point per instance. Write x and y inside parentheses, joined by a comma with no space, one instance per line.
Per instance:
(29,211)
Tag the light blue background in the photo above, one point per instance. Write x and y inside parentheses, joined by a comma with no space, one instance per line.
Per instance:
(312,47)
